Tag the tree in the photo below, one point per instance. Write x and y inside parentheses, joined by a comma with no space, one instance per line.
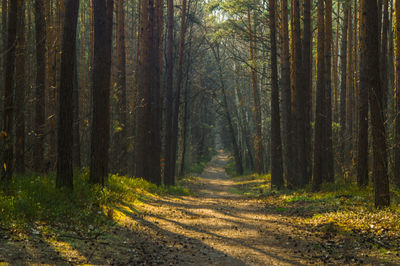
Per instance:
(20,87)
(298,98)
(40,29)
(258,147)
(382,197)
(65,122)
(362,155)
(319,170)
(328,175)
(286,95)
(8,114)
(169,170)
(148,136)
(100,133)
(397,94)
(307,85)
(120,132)
(276,142)
(343,91)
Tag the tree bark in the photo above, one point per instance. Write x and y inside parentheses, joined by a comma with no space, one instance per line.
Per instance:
(382,197)
(397,93)
(40,86)
(100,133)
(362,155)
(258,147)
(343,91)
(328,151)
(120,133)
(276,142)
(169,169)
(7,166)
(65,122)
(20,88)
(319,170)
(286,95)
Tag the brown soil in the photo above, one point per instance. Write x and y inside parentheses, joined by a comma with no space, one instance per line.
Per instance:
(215,226)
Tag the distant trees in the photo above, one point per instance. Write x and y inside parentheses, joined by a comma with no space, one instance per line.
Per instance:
(229,81)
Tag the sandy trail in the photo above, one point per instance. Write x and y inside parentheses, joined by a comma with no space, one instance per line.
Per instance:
(232,229)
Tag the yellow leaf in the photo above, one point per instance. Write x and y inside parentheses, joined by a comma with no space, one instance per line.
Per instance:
(5,167)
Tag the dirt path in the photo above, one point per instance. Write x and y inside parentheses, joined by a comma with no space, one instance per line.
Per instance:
(224,228)
(215,226)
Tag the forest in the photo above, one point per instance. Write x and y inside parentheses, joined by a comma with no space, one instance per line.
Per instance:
(189,132)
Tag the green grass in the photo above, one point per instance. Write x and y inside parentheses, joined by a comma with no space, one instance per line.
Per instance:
(31,199)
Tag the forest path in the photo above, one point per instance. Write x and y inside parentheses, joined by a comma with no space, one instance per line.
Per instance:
(217,226)
(214,226)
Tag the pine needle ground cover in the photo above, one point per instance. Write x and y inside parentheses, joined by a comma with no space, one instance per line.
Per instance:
(340,214)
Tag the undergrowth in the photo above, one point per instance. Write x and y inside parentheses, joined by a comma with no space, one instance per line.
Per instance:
(33,199)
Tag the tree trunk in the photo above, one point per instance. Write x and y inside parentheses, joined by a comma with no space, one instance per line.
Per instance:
(100,134)
(276,142)
(148,114)
(258,147)
(384,55)
(349,95)
(298,99)
(328,151)
(65,122)
(335,68)
(319,170)
(20,92)
(307,86)
(178,91)
(382,197)
(343,91)
(362,155)
(397,93)
(120,133)
(286,96)
(8,114)
(40,86)
(169,170)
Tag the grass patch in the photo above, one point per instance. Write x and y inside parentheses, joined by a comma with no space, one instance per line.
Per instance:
(32,199)
(345,207)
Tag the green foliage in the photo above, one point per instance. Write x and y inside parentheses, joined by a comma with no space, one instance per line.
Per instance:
(31,198)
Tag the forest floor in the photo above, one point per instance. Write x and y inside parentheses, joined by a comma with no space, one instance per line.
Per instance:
(218,224)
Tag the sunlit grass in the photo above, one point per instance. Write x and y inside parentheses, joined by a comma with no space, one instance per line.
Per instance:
(32,199)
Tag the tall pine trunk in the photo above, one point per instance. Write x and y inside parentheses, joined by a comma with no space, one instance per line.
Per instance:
(40,29)
(276,142)
(362,155)
(20,88)
(286,95)
(397,93)
(382,197)
(65,122)
(319,170)
(169,169)
(8,113)
(100,133)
